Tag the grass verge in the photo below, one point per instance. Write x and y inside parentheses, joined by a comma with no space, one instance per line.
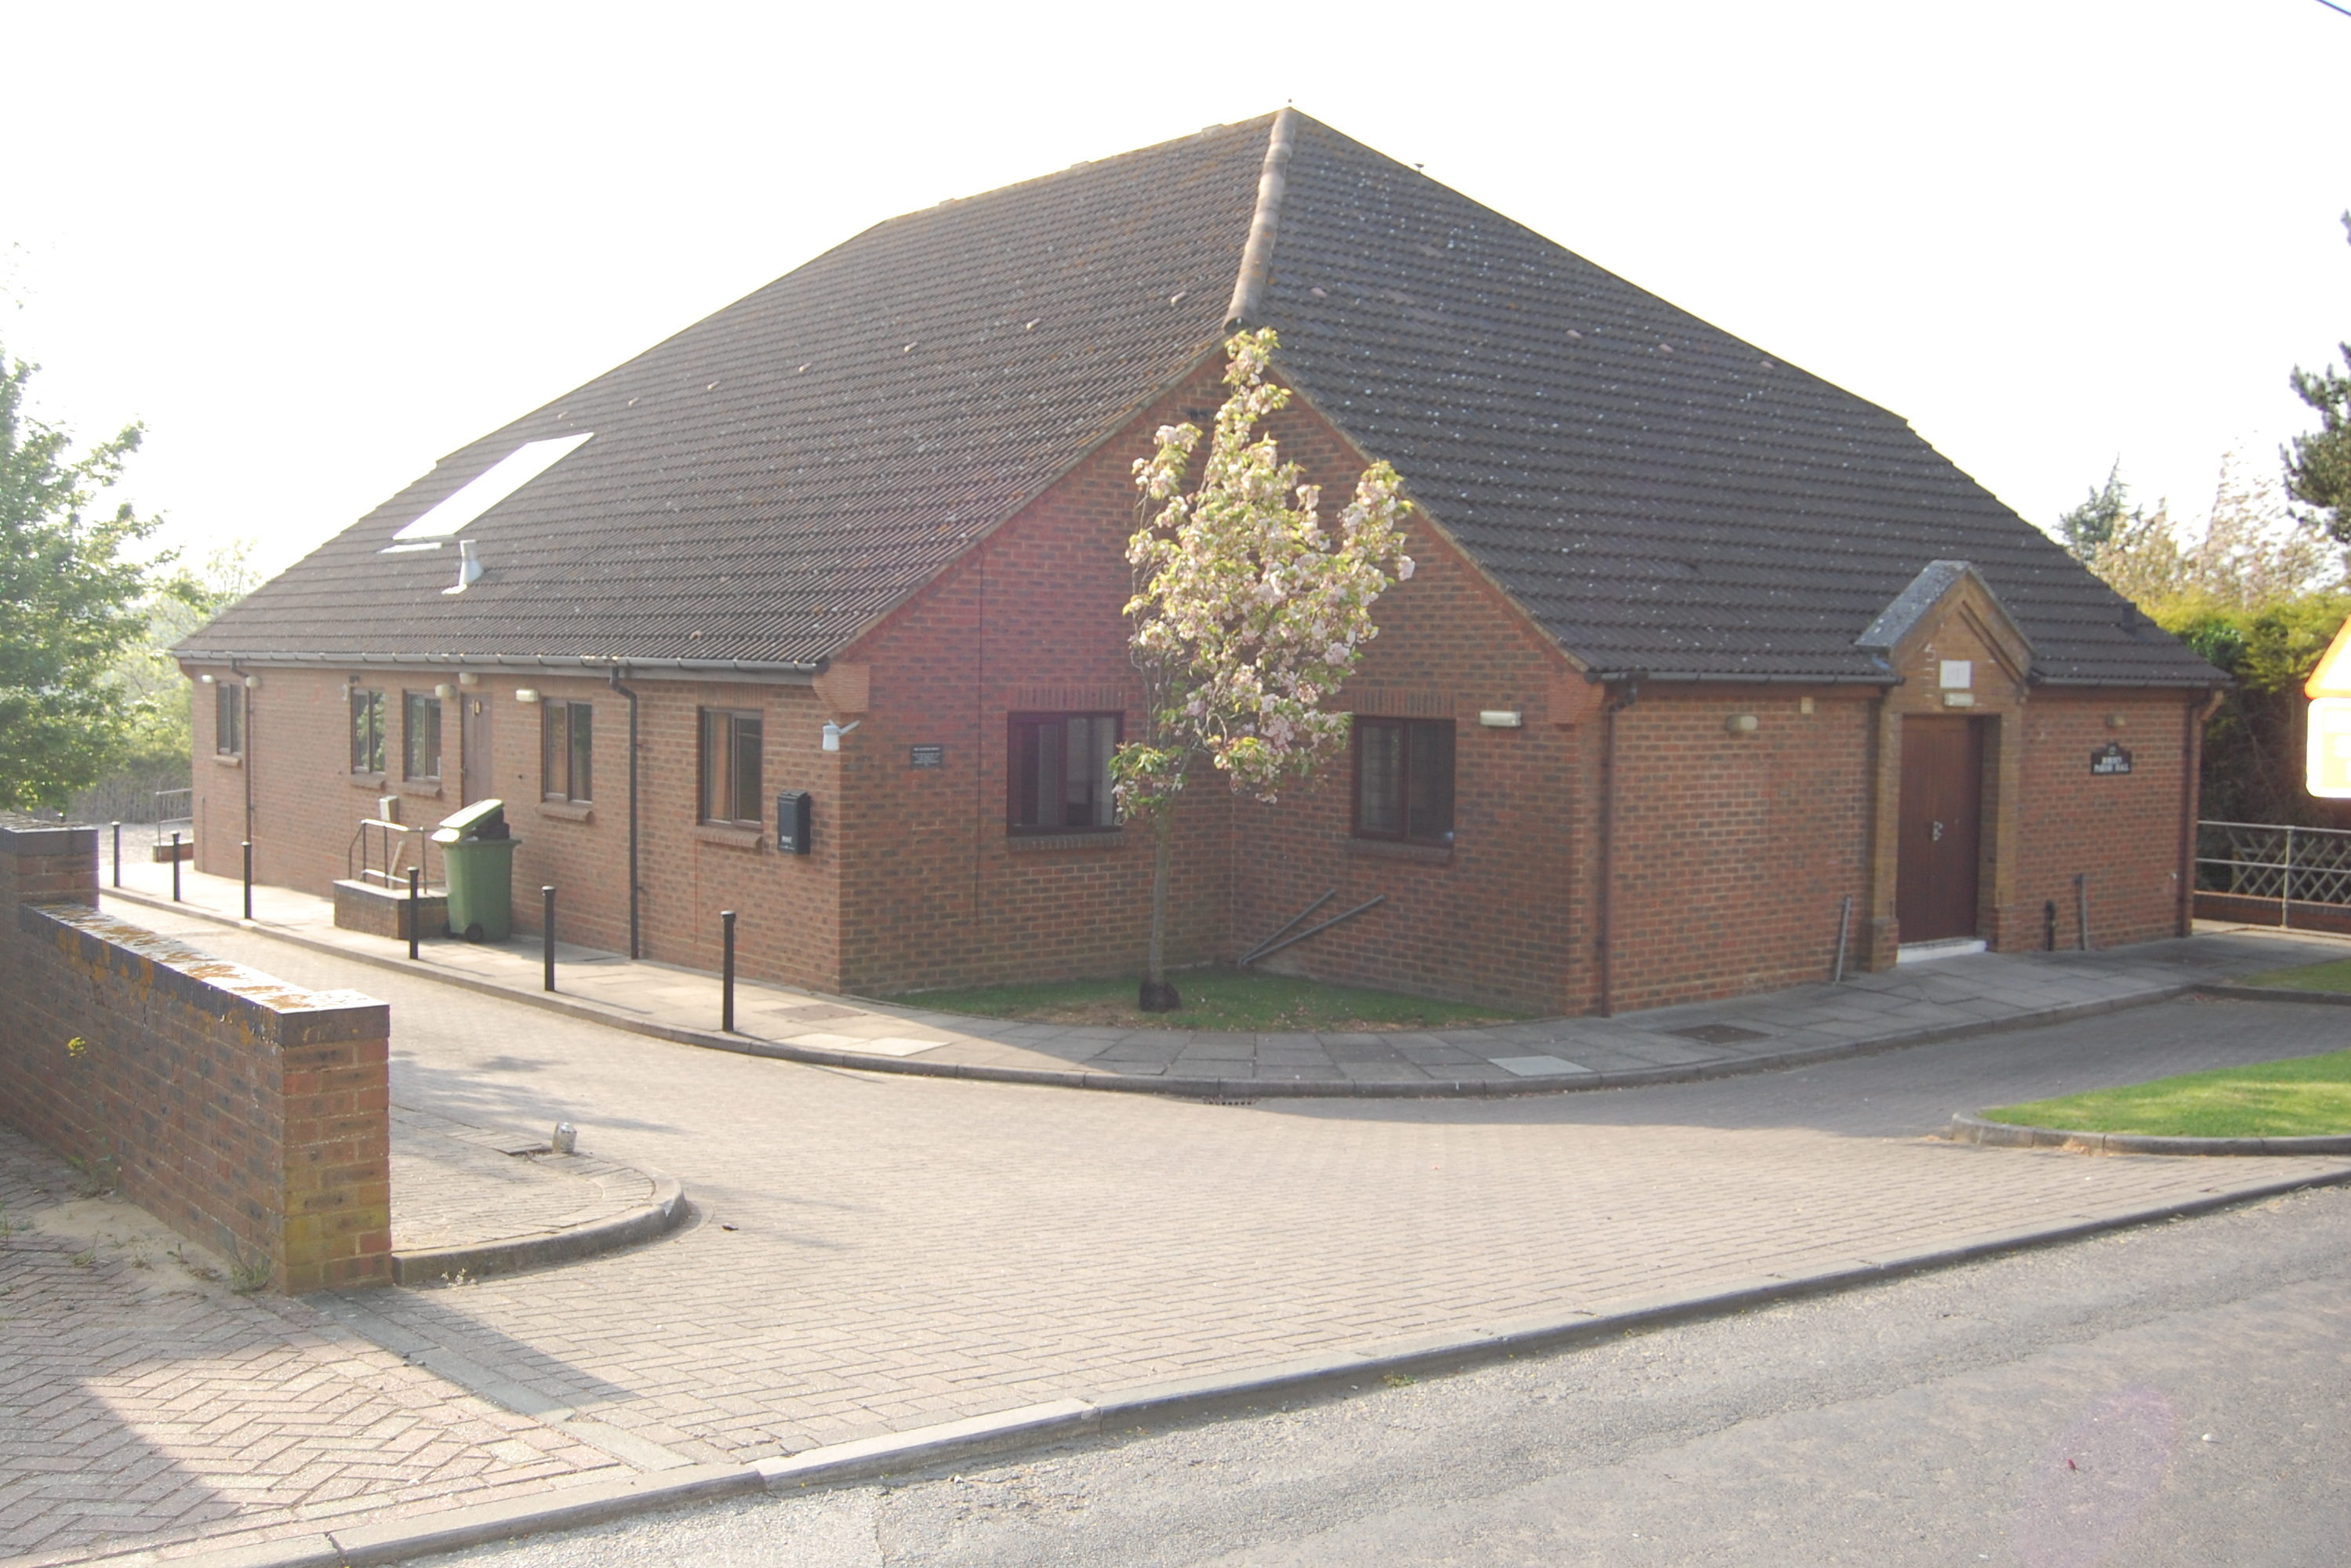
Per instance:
(2334,975)
(1223,1000)
(2304,1096)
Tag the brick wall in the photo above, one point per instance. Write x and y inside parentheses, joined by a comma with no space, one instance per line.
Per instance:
(249,1116)
(2123,830)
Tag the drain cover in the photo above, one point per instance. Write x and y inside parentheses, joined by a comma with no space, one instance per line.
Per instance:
(1720,1033)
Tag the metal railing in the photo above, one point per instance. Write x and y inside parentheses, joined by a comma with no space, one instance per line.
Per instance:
(2276,862)
(359,863)
(175,809)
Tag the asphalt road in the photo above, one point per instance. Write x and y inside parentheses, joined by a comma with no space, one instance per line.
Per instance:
(2178,1394)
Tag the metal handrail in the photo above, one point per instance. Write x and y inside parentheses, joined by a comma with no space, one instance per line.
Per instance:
(2279,861)
(394,852)
(184,818)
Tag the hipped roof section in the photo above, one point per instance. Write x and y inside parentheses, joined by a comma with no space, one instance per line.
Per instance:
(1663,498)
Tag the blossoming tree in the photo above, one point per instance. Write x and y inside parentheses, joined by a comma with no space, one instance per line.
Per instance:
(1248,613)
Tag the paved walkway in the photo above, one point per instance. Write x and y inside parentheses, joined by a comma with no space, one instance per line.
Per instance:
(458,1186)
(875,1253)
(1909,1005)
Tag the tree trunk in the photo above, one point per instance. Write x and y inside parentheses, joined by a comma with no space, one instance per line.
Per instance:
(1157,996)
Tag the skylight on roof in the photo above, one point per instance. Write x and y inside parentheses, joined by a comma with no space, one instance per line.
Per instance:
(493,485)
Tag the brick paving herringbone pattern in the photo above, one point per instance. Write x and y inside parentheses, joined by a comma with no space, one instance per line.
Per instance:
(140,1402)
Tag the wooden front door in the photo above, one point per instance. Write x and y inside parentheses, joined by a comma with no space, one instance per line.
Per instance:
(474,737)
(1941,835)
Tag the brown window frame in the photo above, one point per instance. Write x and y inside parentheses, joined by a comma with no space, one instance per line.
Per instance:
(1025,774)
(1435,732)
(566,765)
(228,718)
(414,706)
(738,721)
(366,731)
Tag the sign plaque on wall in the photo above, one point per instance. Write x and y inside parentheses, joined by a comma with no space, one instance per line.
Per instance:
(2110,758)
(927,756)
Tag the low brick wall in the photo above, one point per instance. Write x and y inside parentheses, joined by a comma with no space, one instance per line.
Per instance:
(248,1115)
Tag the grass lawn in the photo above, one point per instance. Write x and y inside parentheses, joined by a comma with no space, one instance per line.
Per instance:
(2334,974)
(1223,1000)
(2304,1096)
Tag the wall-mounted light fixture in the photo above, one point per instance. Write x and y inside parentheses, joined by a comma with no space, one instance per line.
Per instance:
(253,683)
(2118,721)
(526,695)
(833,732)
(444,690)
(464,678)
(1501,717)
(206,678)
(1741,724)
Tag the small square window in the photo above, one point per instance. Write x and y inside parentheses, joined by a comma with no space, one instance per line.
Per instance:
(1058,772)
(420,736)
(730,767)
(1403,780)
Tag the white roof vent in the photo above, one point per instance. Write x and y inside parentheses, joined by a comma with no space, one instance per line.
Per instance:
(469,567)
(493,485)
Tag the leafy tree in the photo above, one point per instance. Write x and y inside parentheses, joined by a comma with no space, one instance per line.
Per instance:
(2090,524)
(2252,553)
(1247,613)
(2318,465)
(70,603)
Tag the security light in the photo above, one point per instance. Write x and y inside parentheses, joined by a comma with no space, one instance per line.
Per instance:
(833,732)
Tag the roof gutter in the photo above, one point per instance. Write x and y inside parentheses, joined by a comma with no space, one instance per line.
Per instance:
(770,671)
(1857,679)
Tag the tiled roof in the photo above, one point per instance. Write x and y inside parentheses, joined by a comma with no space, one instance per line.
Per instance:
(1663,497)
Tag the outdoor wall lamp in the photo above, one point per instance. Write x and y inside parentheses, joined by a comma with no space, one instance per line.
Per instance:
(1741,724)
(206,678)
(833,732)
(253,683)
(444,690)
(526,695)
(464,678)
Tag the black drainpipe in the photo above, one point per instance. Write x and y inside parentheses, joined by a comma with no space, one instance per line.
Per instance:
(1608,846)
(636,946)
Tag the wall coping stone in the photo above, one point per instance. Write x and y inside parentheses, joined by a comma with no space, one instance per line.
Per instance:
(278,1012)
(25,835)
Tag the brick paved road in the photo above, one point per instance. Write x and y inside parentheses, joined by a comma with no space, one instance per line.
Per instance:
(138,1400)
(880,1252)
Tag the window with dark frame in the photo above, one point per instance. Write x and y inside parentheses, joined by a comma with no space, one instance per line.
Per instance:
(228,718)
(730,767)
(567,749)
(1058,773)
(420,736)
(366,731)
(1403,780)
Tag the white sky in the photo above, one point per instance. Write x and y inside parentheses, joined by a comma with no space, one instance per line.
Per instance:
(314,248)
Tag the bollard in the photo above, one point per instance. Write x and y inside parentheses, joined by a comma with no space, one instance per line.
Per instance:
(547,935)
(118,854)
(413,920)
(175,868)
(2082,907)
(248,879)
(726,977)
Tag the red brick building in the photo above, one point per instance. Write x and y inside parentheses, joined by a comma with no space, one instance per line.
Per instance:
(1707,661)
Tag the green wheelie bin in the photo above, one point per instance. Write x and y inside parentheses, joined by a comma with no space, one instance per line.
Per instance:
(477,864)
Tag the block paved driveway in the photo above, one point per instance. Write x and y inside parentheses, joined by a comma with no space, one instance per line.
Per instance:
(875,1253)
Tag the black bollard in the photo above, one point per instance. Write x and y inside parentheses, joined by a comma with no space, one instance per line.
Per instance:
(248,879)
(726,976)
(547,933)
(413,920)
(175,868)
(118,854)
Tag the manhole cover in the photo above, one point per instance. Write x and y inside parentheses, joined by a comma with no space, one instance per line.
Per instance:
(1721,1033)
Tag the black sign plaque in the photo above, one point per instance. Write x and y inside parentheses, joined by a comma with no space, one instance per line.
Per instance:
(2110,758)
(927,756)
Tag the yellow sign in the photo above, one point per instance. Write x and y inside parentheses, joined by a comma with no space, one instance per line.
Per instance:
(2327,767)
(2332,678)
